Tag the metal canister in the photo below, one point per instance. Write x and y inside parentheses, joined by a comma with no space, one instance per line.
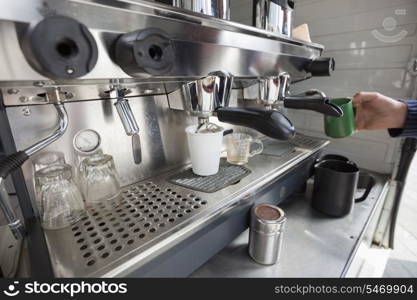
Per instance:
(266,233)
(274,15)
(216,8)
(268,15)
(287,23)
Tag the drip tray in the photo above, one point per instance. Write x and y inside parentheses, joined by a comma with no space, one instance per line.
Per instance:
(103,237)
(228,174)
(155,217)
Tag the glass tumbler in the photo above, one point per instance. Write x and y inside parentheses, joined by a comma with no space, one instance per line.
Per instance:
(41,161)
(101,182)
(62,202)
(79,169)
(238,148)
(46,159)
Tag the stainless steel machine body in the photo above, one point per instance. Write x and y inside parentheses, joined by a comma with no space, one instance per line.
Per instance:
(202,44)
(180,47)
(202,97)
(14,161)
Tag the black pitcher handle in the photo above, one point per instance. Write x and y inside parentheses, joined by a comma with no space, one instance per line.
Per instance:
(368,189)
(317,104)
(267,121)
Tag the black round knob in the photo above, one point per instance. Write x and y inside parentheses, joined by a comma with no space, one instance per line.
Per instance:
(323,66)
(144,52)
(60,47)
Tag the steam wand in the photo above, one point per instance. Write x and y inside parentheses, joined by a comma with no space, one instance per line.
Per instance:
(15,160)
(128,120)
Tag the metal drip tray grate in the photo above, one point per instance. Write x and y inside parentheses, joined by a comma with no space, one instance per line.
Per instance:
(305,141)
(228,174)
(102,236)
(150,219)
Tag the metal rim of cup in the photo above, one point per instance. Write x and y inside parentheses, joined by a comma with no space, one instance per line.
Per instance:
(234,137)
(334,157)
(191,130)
(345,101)
(349,164)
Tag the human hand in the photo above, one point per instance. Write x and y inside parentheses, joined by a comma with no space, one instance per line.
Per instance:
(376,111)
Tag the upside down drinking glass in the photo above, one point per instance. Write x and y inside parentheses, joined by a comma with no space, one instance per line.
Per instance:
(62,202)
(41,161)
(100,181)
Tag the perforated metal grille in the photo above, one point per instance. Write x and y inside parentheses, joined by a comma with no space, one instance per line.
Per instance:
(145,211)
(151,218)
(228,174)
(306,141)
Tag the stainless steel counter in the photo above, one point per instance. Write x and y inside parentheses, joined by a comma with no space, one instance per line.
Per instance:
(155,215)
(314,245)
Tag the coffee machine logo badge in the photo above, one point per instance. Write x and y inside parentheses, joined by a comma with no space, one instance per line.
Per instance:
(390,24)
(11,290)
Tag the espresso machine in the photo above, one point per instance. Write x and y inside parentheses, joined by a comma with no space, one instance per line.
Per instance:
(138,73)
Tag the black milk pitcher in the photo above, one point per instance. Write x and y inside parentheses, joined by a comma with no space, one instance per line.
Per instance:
(335,185)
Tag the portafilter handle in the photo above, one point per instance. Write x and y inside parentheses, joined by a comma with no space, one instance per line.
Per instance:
(314,100)
(212,94)
(276,88)
(269,122)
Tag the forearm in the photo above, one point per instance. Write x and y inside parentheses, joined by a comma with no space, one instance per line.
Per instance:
(410,125)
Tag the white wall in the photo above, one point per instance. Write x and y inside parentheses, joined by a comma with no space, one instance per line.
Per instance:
(241,11)
(363,62)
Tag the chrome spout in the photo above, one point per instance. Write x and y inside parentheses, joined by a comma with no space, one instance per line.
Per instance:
(203,96)
(273,89)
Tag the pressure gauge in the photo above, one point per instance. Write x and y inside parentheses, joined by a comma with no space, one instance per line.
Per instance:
(86,141)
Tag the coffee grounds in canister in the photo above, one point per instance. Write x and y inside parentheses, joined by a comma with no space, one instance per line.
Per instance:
(268,213)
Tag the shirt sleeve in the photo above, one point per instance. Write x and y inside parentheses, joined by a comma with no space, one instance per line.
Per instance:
(410,126)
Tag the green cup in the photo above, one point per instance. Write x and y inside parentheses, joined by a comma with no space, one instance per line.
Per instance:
(343,126)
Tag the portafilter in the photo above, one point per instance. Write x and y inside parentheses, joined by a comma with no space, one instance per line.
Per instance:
(210,96)
(275,89)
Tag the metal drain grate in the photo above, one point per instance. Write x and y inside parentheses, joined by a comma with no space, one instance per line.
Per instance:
(228,174)
(154,215)
(304,141)
(144,212)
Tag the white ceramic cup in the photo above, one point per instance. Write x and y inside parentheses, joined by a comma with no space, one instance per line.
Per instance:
(205,150)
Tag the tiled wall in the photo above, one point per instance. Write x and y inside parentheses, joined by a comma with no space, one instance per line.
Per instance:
(351,31)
